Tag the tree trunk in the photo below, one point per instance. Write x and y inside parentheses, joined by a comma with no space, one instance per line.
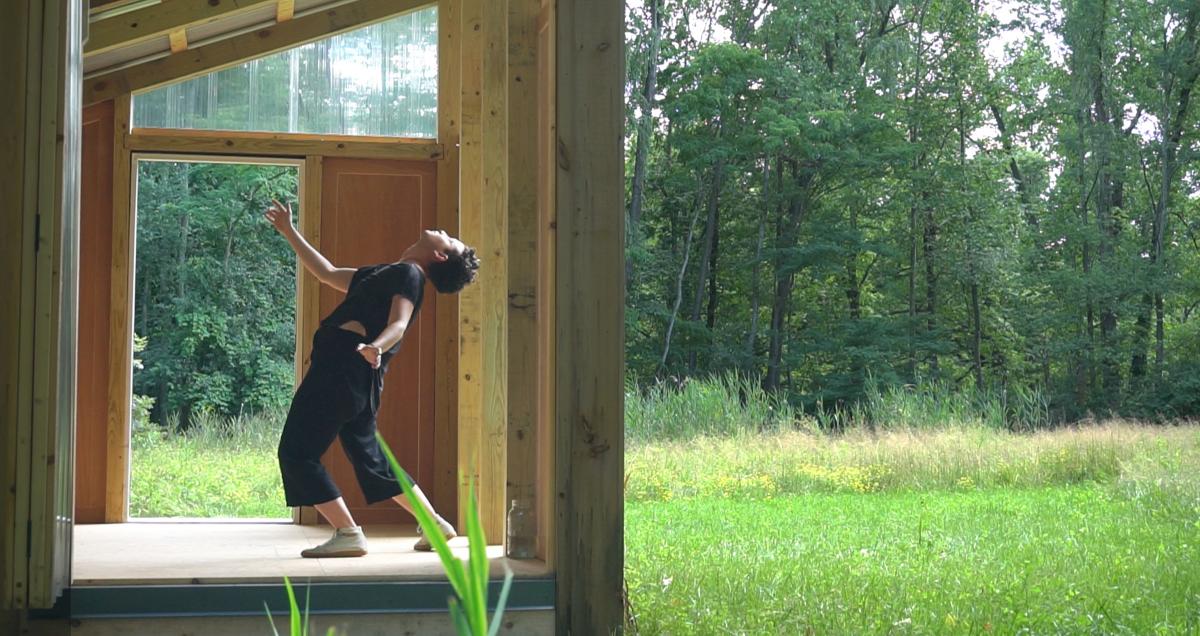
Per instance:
(929,244)
(1170,168)
(1109,197)
(711,319)
(709,241)
(787,233)
(181,257)
(754,273)
(913,210)
(687,250)
(853,293)
(1014,169)
(976,337)
(644,131)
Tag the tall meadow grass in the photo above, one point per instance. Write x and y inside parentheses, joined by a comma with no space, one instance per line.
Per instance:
(217,467)
(721,405)
(936,405)
(1142,461)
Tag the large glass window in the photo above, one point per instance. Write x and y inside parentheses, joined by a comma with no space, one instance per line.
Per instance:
(378,80)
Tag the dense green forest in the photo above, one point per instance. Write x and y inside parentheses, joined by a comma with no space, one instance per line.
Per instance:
(833,196)
(831,199)
(215,296)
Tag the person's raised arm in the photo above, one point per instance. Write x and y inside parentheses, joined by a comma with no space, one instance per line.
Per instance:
(280,216)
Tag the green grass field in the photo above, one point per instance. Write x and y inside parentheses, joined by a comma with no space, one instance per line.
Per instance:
(216,469)
(962,529)
(1064,560)
(1079,531)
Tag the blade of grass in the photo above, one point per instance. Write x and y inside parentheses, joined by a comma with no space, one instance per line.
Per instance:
(498,616)
(460,618)
(478,564)
(307,605)
(293,609)
(270,618)
(454,567)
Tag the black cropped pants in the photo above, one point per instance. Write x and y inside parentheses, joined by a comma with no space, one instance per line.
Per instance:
(338,398)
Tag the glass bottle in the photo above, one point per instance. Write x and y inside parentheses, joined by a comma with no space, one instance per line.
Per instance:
(522,531)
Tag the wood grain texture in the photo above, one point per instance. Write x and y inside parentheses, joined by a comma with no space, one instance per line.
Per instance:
(493,279)
(13,75)
(371,210)
(158,20)
(239,48)
(285,10)
(308,289)
(280,144)
(120,343)
(95,289)
(17,57)
(522,213)
(446,347)
(56,293)
(547,258)
(178,40)
(470,192)
(97,6)
(589,75)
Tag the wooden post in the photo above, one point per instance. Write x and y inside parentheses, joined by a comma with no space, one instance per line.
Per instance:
(589,76)
(120,341)
(493,279)
(470,307)
(522,249)
(546,259)
(308,289)
(445,487)
(39,136)
(19,55)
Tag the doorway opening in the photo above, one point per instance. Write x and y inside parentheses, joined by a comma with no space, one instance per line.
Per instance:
(214,336)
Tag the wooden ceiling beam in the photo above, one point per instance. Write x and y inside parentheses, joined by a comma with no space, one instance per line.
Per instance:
(100,6)
(247,46)
(160,20)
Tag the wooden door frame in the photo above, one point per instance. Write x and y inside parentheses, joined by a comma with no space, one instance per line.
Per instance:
(124,259)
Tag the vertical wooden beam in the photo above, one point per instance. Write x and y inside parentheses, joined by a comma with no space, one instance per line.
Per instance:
(120,358)
(494,278)
(589,74)
(308,288)
(522,250)
(546,259)
(446,348)
(308,311)
(20,56)
(55,332)
(470,307)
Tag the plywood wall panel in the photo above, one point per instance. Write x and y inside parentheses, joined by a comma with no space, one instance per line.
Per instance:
(95,284)
(371,210)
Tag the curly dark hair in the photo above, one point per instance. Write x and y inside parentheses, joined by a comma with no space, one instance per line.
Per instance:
(454,273)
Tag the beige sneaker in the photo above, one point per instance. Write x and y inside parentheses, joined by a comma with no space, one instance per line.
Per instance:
(346,542)
(423,544)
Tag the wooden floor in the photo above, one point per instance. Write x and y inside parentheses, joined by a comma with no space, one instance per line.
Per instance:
(171,551)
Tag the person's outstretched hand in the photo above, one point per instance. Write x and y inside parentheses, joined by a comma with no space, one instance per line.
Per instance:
(280,216)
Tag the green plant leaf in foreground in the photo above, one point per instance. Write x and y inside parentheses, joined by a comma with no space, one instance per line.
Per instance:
(470,584)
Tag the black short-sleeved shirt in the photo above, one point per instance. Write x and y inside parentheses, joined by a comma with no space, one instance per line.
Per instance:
(369,298)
